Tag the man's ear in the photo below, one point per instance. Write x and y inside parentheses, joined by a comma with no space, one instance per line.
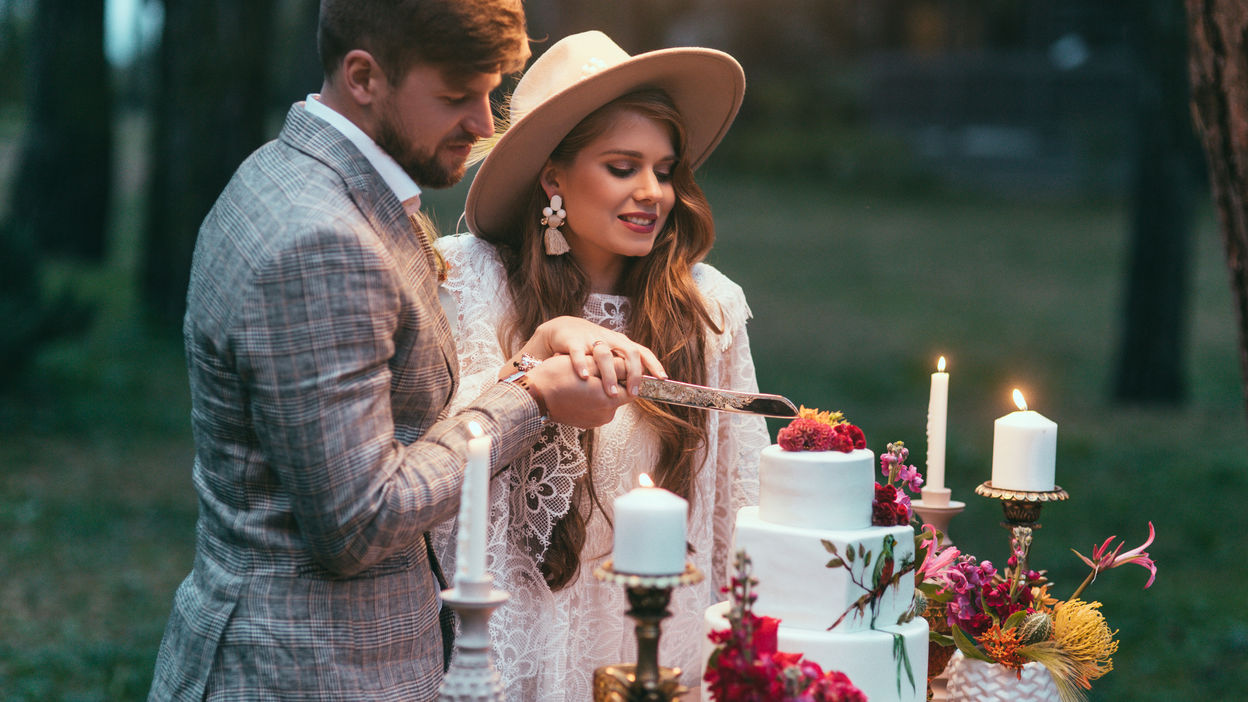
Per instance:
(362,77)
(549,178)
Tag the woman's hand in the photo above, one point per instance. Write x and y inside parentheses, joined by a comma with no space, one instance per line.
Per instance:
(588,344)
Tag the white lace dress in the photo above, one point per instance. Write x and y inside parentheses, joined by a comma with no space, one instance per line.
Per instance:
(547,644)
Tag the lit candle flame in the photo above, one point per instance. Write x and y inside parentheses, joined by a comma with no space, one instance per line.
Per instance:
(475,430)
(940,365)
(1018,399)
(645,480)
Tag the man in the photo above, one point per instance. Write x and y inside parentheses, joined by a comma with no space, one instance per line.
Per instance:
(321,363)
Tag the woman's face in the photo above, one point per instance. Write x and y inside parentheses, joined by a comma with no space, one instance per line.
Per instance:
(618,193)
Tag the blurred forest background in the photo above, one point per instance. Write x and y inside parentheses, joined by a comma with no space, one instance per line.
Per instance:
(1014,184)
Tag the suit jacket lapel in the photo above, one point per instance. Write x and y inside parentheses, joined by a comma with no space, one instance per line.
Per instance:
(412,249)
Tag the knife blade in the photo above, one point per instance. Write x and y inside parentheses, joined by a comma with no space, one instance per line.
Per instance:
(675,392)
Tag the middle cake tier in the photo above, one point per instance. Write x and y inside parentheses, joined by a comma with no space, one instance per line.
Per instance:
(796,586)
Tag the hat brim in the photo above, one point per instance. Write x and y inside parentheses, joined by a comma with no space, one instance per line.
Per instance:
(706,86)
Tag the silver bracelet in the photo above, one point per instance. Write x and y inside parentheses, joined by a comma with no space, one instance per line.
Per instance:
(526,363)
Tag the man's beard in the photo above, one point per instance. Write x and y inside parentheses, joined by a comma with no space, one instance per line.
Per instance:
(422,166)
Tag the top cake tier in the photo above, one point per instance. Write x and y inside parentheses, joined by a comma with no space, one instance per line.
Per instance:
(816,489)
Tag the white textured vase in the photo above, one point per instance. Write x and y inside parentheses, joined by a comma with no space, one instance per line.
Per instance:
(972,680)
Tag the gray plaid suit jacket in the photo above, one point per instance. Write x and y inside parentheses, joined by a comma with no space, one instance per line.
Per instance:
(320,365)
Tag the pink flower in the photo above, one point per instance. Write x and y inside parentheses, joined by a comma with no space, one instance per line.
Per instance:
(1103,559)
(911,477)
(935,563)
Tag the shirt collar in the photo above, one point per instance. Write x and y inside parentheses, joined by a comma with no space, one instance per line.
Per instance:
(399,181)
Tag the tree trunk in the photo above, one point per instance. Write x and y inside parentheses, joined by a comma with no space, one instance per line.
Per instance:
(210,114)
(1153,342)
(1218,32)
(63,182)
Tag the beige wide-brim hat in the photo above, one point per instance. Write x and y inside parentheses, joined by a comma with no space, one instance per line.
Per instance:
(577,75)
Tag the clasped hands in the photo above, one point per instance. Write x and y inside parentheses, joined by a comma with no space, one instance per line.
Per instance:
(573,352)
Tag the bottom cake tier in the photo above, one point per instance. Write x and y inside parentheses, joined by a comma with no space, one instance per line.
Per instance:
(866,656)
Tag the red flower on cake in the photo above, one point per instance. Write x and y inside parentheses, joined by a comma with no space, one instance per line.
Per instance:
(820,431)
(855,435)
(806,435)
(889,507)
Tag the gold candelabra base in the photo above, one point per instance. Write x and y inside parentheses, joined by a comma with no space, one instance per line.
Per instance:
(647,681)
(1022,516)
(1021,507)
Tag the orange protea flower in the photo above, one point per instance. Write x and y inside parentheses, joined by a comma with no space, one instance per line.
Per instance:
(1002,646)
(829,418)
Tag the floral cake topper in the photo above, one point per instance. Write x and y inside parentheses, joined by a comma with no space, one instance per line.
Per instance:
(820,431)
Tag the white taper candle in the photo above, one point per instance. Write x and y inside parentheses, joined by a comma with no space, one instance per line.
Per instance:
(474,508)
(937,419)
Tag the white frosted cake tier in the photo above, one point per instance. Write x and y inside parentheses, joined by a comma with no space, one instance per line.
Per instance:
(816,489)
(867,657)
(795,586)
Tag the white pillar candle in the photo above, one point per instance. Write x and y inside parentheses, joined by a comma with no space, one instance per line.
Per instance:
(649,531)
(1024,450)
(937,414)
(473,509)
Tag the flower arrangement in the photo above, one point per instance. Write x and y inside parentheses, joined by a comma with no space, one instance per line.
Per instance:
(891,506)
(820,431)
(747,667)
(1010,618)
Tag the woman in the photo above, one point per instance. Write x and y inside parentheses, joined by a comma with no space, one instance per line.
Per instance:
(587,206)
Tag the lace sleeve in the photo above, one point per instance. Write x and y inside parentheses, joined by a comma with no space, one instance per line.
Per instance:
(476,283)
(741,437)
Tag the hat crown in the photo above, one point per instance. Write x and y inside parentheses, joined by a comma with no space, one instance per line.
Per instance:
(567,62)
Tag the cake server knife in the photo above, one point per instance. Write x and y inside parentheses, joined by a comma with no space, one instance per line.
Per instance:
(674,392)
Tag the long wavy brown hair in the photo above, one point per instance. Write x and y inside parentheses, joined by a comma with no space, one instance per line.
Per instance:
(668,314)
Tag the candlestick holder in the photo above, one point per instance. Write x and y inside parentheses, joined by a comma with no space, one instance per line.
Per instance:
(472,676)
(937,509)
(648,597)
(1021,507)
(1022,516)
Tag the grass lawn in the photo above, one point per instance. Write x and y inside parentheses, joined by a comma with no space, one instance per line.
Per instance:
(854,296)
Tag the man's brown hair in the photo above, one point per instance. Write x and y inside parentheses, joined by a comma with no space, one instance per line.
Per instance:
(460,36)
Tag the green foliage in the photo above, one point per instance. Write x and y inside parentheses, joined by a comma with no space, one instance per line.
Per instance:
(30,318)
(14,33)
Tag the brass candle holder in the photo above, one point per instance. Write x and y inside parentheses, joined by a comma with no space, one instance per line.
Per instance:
(1022,515)
(648,597)
(1021,507)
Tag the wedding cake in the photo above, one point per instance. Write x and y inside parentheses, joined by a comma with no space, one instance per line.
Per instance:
(825,571)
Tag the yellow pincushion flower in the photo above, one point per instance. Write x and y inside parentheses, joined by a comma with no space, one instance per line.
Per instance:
(1080,632)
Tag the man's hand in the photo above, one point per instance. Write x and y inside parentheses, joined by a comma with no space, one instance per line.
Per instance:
(594,351)
(572,399)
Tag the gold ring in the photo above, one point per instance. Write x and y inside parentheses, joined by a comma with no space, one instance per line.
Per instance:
(595,344)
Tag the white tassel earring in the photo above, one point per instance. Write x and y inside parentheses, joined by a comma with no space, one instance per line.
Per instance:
(554,217)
